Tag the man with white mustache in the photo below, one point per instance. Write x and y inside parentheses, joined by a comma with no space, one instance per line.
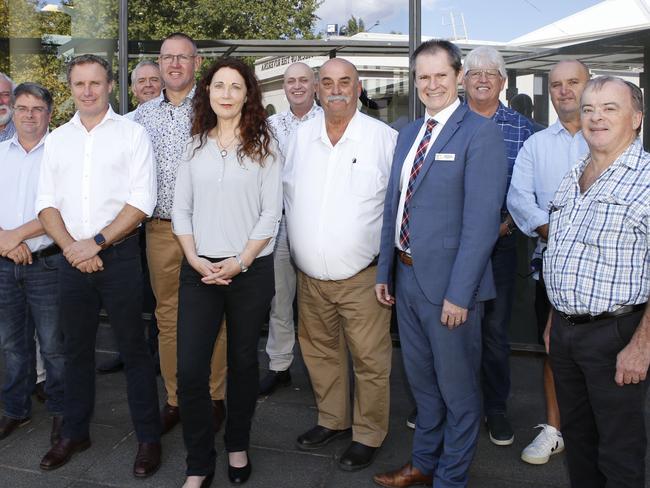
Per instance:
(7,128)
(335,178)
(299,87)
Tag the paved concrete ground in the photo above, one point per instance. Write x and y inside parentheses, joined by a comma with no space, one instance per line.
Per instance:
(279,419)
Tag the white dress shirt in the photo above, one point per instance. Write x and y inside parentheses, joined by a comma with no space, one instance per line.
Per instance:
(20,170)
(334,195)
(441,119)
(90,176)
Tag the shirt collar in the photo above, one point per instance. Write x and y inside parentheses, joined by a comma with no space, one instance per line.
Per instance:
(188,98)
(14,141)
(109,115)
(353,131)
(632,157)
(308,115)
(8,127)
(443,116)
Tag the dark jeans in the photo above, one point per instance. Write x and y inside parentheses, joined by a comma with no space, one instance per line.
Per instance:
(119,289)
(495,365)
(29,300)
(245,303)
(603,424)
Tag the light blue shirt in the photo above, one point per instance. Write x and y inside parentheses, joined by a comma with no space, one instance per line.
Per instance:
(542,162)
(20,172)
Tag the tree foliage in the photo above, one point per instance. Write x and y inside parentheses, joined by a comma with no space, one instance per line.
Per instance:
(354,26)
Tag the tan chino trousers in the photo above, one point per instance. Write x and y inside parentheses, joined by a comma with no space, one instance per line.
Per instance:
(164,255)
(333,315)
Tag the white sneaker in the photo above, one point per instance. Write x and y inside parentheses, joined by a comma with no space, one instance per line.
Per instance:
(548,442)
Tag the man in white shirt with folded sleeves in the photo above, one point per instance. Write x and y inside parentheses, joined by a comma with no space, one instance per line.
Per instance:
(335,178)
(97,184)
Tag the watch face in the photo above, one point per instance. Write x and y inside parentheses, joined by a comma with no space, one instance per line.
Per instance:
(100,240)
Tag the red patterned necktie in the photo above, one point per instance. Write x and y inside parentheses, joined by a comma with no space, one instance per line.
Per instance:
(404,237)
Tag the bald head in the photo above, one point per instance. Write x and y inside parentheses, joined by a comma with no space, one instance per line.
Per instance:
(299,87)
(338,89)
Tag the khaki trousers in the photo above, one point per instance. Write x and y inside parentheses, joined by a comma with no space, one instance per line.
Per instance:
(333,315)
(164,255)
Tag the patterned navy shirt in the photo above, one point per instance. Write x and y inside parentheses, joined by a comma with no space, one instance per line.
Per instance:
(598,258)
(516,129)
(8,132)
(169,129)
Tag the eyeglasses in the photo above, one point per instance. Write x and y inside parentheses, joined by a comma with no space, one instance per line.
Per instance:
(22,110)
(181,58)
(5,94)
(476,74)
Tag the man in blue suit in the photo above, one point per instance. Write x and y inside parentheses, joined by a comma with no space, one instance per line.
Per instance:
(441,221)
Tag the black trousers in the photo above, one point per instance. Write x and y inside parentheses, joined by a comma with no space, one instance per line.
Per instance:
(201,308)
(119,288)
(603,424)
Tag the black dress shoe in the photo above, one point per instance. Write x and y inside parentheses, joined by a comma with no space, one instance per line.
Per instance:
(239,476)
(169,417)
(57,425)
(218,413)
(318,437)
(39,392)
(111,366)
(8,425)
(357,456)
(62,452)
(147,460)
(273,380)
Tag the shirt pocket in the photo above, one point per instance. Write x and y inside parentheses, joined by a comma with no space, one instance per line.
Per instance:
(365,180)
(613,222)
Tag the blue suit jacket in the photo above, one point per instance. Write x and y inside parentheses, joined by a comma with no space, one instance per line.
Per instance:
(455,210)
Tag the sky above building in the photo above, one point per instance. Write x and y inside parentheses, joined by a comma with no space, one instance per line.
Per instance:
(487,20)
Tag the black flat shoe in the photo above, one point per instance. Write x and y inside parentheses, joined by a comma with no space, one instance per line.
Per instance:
(239,476)
(207,481)
(318,437)
(357,456)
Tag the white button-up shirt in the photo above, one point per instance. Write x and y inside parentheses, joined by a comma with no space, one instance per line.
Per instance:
(90,176)
(20,170)
(334,195)
(441,119)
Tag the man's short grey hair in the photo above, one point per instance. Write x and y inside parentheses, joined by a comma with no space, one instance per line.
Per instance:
(484,57)
(145,62)
(35,90)
(6,78)
(89,59)
(636,95)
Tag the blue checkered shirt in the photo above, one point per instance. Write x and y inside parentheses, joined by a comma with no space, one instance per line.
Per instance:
(516,129)
(598,256)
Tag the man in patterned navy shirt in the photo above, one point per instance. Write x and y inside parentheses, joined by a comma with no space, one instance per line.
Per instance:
(484,78)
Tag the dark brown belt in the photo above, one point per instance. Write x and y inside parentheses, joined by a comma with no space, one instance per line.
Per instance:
(158,219)
(43,253)
(587,318)
(405,257)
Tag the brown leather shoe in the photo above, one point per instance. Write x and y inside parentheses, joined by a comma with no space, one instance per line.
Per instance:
(169,417)
(219,414)
(147,460)
(57,425)
(8,425)
(62,451)
(405,476)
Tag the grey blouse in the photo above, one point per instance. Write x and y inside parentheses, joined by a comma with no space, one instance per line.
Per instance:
(224,202)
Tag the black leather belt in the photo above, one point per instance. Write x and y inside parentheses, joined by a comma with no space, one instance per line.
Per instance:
(405,257)
(587,318)
(43,253)
(158,219)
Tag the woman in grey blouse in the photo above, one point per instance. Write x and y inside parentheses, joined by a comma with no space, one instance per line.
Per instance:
(227,205)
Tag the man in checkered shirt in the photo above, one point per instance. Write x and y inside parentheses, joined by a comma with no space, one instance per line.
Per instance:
(597,273)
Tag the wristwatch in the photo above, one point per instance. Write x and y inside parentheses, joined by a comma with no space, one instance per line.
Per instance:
(511,227)
(100,240)
(242,266)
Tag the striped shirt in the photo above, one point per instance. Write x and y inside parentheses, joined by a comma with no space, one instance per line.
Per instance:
(597,258)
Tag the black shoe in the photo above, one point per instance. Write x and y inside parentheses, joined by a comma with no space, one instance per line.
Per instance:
(412,418)
(239,476)
(111,366)
(357,456)
(318,437)
(8,425)
(499,429)
(39,392)
(274,379)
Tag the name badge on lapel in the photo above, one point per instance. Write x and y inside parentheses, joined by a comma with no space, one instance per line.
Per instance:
(445,157)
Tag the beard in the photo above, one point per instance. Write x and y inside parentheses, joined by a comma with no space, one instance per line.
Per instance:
(5,117)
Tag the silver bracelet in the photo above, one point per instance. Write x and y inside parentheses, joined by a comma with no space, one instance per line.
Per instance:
(243,267)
